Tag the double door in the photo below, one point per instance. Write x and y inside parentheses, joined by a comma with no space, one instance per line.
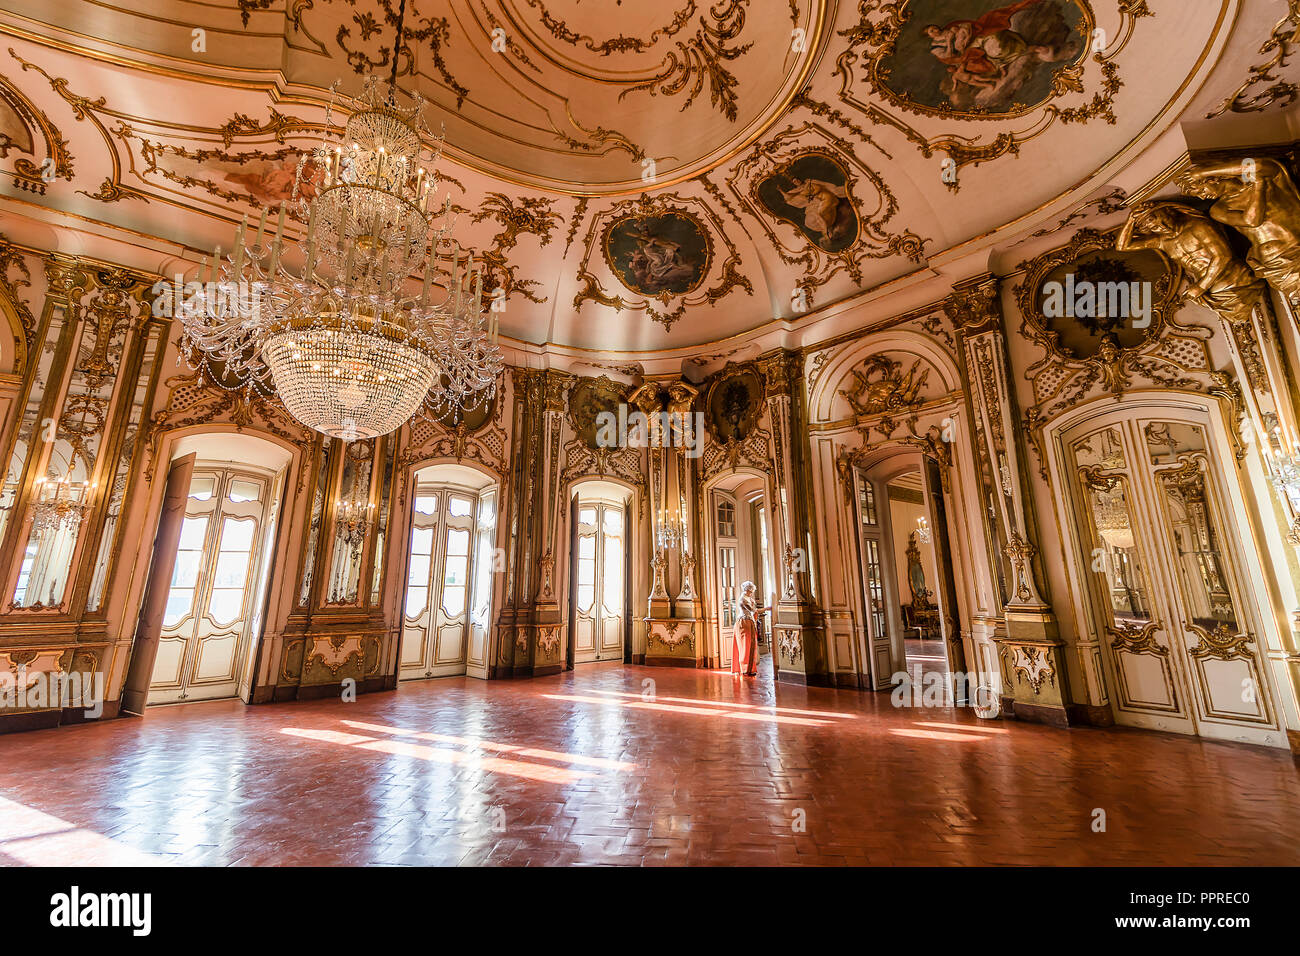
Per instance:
(445,619)
(600,582)
(1169,589)
(216,588)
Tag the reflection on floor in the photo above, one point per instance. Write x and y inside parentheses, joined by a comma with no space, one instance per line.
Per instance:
(631,765)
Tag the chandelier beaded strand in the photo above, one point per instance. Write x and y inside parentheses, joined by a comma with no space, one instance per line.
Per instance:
(351,350)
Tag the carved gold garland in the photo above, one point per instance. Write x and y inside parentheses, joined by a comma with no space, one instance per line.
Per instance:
(1282,93)
(1222,642)
(1137,637)
(28,174)
(524,216)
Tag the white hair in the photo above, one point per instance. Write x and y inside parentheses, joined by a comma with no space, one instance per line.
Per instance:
(747,586)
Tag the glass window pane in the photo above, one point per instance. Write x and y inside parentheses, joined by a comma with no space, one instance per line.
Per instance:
(587,515)
(179,602)
(193,531)
(587,547)
(613,522)
(613,579)
(226,605)
(415,600)
(237,535)
(454,573)
(186,573)
(201,487)
(422,541)
(587,572)
(419,569)
(457,541)
(586,594)
(244,490)
(487,510)
(232,569)
(453,601)
(426,504)
(459,507)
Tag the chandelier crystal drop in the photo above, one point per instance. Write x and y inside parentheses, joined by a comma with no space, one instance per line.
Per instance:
(338,323)
(59,504)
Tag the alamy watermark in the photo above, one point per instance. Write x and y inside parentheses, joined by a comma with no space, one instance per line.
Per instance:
(635,429)
(40,690)
(1086,299)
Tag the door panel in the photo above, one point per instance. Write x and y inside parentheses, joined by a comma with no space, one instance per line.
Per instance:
(1179,646)
(599,583)
(205,641)
(449,582)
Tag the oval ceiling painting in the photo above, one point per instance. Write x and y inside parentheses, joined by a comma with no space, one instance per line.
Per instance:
(660,255)
(985,57)
(811,192)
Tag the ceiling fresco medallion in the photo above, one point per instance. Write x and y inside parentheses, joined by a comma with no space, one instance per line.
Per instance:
(811,192)
(661,249)
(982,56)
(981,61)
(661,255)
(823,208)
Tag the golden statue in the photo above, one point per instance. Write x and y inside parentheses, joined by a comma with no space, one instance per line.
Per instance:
(1220,280)
(1257,198)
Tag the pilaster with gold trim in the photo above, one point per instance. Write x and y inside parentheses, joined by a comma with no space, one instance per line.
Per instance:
(1029,645)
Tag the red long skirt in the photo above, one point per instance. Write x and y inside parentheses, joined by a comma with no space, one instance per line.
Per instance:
(744,648)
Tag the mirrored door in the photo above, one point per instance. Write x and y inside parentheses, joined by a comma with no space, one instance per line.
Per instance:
(1180,645)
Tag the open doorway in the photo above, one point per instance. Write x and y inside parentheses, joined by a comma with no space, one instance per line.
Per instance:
(737,520)
(915,570)
(599,574)
(906,570)
(448,598)
(217,594)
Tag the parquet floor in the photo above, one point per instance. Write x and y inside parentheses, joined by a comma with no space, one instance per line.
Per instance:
(582,768)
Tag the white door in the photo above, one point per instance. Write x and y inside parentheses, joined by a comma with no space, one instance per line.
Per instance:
(435,632)
(726,588)
(871,551)
(203,649)
(599,613)
(1169,594)
(480,618)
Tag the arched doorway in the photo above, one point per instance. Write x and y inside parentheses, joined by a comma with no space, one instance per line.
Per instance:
(905,568)
(600,589)
(447,605)
(738,537)
(216,596)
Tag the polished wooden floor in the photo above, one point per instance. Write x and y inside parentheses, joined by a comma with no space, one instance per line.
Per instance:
(599,766)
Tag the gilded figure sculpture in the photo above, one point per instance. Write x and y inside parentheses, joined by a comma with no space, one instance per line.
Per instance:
(1220,279)
(1258,198)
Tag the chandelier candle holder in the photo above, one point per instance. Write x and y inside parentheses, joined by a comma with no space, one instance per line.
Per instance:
(352,521)
(60,504)
(339,324)
(923,530)
(671,534)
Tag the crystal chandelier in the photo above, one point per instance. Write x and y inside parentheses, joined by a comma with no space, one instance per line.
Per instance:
(352,521)
(59,504)
(329,322)
(671,534)
(1113,524)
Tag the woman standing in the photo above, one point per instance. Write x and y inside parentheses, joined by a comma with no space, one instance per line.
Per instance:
(744,649)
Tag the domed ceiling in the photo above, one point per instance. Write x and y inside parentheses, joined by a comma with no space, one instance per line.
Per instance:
(637,176)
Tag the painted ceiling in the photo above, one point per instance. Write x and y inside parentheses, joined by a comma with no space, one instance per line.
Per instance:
(637,176)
